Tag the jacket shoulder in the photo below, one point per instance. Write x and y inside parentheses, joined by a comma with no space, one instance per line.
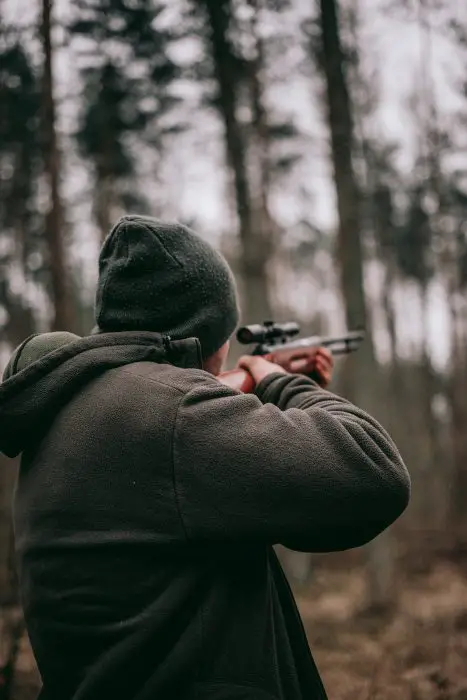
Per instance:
(181,380)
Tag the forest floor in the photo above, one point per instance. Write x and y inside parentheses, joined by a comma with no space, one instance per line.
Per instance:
(418,651)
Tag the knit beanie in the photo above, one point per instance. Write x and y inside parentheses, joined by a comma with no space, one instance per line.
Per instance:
(34,348)
(162,277)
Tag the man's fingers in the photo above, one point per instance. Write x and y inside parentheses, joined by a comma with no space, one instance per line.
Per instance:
(324,355)
(323,365)
(300,366)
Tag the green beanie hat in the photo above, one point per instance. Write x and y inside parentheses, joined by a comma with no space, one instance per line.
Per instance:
(34,348)
(162,277)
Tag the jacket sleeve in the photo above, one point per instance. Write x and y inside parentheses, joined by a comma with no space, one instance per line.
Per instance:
(294,465)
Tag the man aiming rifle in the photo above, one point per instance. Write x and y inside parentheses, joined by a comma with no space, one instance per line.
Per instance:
(150,494)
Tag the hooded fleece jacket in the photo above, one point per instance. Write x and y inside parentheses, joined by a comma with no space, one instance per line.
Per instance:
(148,502)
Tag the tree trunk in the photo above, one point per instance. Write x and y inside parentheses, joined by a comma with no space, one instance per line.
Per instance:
(64,316)
(255,244)
(433,468)
(349,245)
(457,394)
(260,126)
(103,199)
(350,261)
(390,276)
(261,141)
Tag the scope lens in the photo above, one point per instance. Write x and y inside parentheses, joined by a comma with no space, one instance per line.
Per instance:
(245,336)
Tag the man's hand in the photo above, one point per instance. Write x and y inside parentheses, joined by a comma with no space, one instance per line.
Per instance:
(259,367)
(322,364)
(315,362)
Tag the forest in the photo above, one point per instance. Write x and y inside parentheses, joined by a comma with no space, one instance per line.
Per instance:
(322,146)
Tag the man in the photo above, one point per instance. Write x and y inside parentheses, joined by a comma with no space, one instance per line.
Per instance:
(150,495)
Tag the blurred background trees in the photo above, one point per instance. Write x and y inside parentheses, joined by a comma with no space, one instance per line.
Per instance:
(321,144)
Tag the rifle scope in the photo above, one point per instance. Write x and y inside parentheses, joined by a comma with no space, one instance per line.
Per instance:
(267,333)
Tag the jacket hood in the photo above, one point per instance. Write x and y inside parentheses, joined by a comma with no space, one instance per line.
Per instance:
(34,348)
(39,381)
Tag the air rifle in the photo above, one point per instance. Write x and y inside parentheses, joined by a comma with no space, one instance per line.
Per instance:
(274,341)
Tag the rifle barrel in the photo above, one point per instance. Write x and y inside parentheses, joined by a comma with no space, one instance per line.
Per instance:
(338,345)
